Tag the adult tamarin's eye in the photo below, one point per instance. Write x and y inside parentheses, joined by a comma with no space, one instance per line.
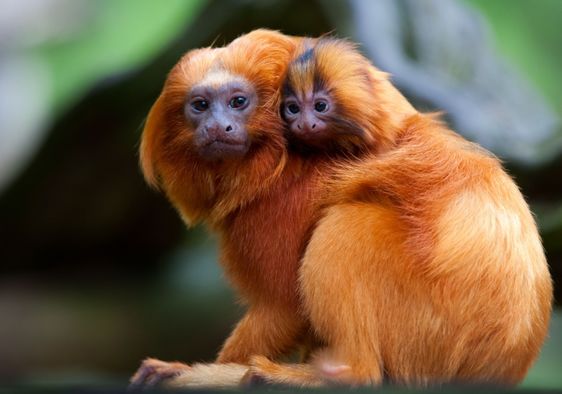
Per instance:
(238,102)
(321,106)
(200,105)
(293,108)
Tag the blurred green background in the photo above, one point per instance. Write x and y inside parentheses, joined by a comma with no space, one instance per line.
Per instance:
(98,272)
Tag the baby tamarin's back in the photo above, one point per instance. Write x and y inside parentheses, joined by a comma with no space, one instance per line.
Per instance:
(476,287)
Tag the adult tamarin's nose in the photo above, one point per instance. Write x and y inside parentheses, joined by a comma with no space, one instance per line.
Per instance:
(216,129)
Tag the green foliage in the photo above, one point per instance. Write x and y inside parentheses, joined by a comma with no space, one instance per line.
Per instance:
(528,32)
(116,38)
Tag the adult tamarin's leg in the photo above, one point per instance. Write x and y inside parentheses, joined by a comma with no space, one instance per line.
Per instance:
(343,294)
(265,330)
(345,280)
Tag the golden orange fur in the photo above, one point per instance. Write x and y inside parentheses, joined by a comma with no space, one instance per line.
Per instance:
(421,262)
(261,243)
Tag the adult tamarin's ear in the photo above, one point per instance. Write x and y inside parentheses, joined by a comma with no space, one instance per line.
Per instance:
(150,143)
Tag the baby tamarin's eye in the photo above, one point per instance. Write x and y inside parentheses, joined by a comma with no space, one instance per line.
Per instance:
(293,108)
(321,106)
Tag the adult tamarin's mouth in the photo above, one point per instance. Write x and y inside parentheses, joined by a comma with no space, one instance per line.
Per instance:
(224,148)
(226,141)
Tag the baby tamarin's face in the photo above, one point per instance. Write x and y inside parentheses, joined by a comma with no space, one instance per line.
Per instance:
(307,104)
(310,113)
(328,95)
(308,107)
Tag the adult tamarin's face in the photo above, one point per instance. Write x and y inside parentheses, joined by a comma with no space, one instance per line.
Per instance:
(218,108)
(204,110)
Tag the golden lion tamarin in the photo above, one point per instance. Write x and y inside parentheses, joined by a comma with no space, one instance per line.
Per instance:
(426,266)
(423,263)
(214,143)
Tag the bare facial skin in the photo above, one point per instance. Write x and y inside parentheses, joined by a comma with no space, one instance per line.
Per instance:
(219,116)
(308,116)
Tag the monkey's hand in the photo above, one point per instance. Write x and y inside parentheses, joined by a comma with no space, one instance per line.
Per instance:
(153,373)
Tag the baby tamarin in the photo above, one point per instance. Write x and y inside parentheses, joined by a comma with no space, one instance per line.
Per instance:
(426,266)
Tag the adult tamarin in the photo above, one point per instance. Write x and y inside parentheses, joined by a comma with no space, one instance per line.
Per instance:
(426,266)
(214,143)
